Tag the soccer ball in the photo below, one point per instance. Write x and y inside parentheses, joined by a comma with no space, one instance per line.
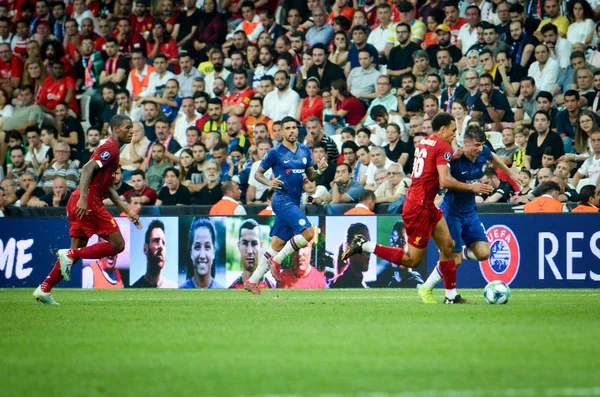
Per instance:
(496,293)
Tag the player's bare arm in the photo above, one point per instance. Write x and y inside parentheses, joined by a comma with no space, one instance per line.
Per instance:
(113,195)
(498,163)
(273,184)
(84,183)
(313,173)
(448,182)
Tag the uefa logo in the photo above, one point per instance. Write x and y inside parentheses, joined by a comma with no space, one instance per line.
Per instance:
(503,263)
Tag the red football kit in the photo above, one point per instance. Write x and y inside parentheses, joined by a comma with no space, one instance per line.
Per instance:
(420,215)
(98,220)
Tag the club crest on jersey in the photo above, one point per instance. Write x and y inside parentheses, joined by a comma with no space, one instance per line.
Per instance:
(302,222)
(304,160)
(448,156)
(105,155)
(503,263)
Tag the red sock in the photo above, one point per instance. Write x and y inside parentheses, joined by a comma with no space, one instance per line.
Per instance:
(448,272)
(390,254)
(53,278)
(96,251)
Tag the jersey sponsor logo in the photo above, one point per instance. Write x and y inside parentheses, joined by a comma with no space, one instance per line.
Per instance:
(503,263)
(294,171)
(105,155)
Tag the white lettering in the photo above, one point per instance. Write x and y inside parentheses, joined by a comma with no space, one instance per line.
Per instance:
(429,142)
(542,237)
(7,257)
(571,254)
(596,251)
(23,258)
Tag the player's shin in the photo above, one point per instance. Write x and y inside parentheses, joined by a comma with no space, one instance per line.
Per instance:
(294,244)
(263,266)
(53,278)
(448,272)
(390,254)
(434,278)
(96,251)
(469,254)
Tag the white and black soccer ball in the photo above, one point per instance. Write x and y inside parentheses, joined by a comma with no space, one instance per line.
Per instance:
(496,293)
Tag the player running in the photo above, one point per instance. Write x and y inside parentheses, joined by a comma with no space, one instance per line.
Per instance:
(459,207)
(88,216)
(292,229)
(423,220)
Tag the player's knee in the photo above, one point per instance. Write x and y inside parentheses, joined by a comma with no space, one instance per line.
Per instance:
(412,262)
(118,246)
(483,256)
(308,234)
(448,248)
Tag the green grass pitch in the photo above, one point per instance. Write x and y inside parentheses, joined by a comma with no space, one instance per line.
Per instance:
(369,343)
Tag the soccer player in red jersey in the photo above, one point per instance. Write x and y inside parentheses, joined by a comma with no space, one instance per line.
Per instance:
(88,216)
(423,220)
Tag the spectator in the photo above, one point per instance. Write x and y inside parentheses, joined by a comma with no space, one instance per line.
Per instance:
(29,114)
(527,101)
(267,66)
(11,68)
(312,104)
(37,149)
(188,72)
(186,118)
(348,109)
(155,172)
(321,32)
(384,98)
(282,102)
(133,153)
(509,75)
(134,203)
(552,13)
(362,80)
(322,69)
(256,118)
(545,69)
(163,136)
(492,106)
(365,206)
(378,161)
(229,204)
(314,135)
(523,45)
(344,189)
(69,129)
(547,202)
(93,140)
(502,190)
(444,37)
(339,53)
(116,65)
(57,88)
(394,187)
(18,166)
(467,35)
(507,152)
(211,193)
(148,196)
(173,193)
(28,189)
(400,57)
(217,121)
(138,80)
(160,41)
(591,167)
(396,150)
(256,190)
(58,196)
(158,79)
(588,200)
(567,193)
(61,166)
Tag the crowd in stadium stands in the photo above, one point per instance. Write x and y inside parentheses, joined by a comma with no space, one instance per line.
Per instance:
(206,83)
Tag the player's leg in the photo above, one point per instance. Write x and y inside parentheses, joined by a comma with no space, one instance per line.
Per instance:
(277,245)
(42,292)
(447,266)
(477,246)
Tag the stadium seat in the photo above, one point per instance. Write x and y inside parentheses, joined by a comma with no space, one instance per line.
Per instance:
(582,183)
(495,139)
(338,141)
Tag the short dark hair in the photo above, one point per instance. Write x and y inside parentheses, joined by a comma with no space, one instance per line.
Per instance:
(20,147)
(548,151)
(319,145)
(441,120)
(576,54)
(288,119)
(549,27)
(572,93)
(366,195)
(350,145)
(118,120)
(139,172)
(320,46)
(345,165)
(547,187)
(544,94)
(586,193)
(155,224)
(378,111)
(475,133)
(171,169)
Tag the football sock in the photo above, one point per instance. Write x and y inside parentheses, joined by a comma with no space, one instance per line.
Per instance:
(448,271)
(53,278)
(390,254)
(96,251)
(434,278)
(294,244)
(369,247)
(469,254)
(263,266)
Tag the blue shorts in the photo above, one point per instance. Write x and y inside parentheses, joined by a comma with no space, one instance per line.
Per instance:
(465,229)
(290,220)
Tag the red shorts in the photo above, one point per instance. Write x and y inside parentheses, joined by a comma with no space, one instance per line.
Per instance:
(419,222)
(97,221)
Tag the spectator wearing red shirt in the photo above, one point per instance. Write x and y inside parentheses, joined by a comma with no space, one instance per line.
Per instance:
(340,7)
(142,21)
(87,30)
(126,41)
(57,88)
(20,39)
(312,105)
(11,68)
(237,103)
(53,50)
(347,106)
(161,42)
(148,196)
(72,41)
(453,19)
(212,30)
(370,9)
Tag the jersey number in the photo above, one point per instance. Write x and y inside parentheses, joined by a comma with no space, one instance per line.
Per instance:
(420,155)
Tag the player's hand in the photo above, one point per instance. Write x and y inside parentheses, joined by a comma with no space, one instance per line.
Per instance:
(515,176)
(480,188)
(135,219)
(276,183)
(323,164)
(82,207)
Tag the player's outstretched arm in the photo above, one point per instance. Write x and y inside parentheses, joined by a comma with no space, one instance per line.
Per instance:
(448,182)
(84,183)
(498,163)
(118,201)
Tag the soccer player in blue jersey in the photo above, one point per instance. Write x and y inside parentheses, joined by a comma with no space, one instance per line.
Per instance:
(459,208)
(292,229)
